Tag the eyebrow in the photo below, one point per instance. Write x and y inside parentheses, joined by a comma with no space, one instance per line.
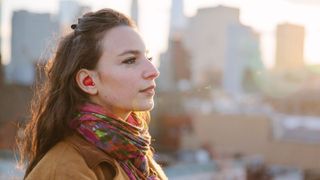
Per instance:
(132,52)
(129,52)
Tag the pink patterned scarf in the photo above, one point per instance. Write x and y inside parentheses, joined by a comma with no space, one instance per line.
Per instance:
(127,143)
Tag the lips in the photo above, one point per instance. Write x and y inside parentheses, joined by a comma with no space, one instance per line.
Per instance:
(149,90)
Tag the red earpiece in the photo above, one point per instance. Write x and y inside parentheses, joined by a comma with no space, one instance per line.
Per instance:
(88,81)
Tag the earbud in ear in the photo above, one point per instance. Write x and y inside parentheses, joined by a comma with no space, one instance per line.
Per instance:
(87,81)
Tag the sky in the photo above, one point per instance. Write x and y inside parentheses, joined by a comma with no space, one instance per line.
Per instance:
(262,15)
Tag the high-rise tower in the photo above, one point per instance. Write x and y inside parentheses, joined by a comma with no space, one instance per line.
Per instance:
(31,39)
(135,11)
(206,39)
(1,66)
(290,45)
(177,18)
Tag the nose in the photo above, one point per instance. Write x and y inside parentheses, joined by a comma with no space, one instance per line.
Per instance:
(151,72)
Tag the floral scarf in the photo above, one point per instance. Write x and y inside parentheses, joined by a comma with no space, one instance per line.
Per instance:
(127,143)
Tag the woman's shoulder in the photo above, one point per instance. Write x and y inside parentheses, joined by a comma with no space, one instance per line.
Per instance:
(60,162)
(74,158)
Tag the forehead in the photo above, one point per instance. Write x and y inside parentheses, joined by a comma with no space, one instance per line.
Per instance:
(122,38)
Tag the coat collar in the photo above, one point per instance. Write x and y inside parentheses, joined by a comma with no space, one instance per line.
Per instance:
(91,154)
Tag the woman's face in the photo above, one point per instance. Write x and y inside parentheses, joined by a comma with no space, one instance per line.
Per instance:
(125,76)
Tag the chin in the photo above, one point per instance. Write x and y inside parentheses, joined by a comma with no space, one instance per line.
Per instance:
(145,106)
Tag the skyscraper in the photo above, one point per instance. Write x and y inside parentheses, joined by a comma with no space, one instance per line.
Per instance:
(289,47)
(178,20)
(0,25)
(135,11)
(175,62)
(206,39)
(175,67)
(31,40)
(243,60)
(1,65)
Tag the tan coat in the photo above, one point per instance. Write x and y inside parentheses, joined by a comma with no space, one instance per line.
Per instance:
(75,158)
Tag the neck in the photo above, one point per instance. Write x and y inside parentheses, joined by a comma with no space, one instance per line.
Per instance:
(121,114)
(117,113)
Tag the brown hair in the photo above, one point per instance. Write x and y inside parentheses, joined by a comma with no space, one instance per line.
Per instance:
(56,101)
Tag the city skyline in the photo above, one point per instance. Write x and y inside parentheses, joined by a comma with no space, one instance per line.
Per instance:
(261,16)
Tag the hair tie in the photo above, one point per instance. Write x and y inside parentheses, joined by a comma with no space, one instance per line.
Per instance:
(73,26)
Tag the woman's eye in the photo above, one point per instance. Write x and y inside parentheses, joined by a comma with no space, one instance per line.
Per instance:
(129,61)
(150,58)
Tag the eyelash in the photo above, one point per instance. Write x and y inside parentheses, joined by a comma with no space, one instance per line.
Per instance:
(150,58)
(133,60)
(129,61)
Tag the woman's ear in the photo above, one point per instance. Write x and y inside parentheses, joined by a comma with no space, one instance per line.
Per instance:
(86,82)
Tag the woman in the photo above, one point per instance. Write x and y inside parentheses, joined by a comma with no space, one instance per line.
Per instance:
(90,120)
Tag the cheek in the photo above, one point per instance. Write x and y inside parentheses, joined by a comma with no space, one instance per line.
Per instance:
(126,83)
(122,87)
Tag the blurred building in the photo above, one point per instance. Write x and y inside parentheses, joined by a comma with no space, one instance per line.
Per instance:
(175,62)
(165,82)
(175,67)
(289,47)
(250,135)
(2,73)
(175,78)
(14,103)
(243,60)
(178,20)
(206,39)
(303,102)
(181,64)
(69,11)
(0,26)
(135,11)
(31,40)
(2,78)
